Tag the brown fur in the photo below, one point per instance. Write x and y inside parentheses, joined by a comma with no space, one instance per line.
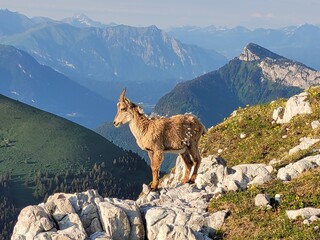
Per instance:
(177,134)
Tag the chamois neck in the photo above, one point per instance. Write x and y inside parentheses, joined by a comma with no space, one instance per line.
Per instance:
(139,124)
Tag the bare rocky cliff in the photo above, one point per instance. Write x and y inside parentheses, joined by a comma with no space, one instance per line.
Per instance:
(279,69)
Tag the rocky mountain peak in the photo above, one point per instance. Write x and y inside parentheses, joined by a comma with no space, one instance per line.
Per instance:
(280,69)
(254,52)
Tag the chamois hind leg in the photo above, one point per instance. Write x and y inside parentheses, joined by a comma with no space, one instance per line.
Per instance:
(188,164)
(196,159)
(156,158)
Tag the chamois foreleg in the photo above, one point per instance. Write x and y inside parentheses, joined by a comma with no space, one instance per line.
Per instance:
(196,159)
(188,164)
(156,158)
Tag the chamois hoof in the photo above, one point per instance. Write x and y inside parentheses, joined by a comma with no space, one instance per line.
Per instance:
(191,181)
(183,181)
(153,189)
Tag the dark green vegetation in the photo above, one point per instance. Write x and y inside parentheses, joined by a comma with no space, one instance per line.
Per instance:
(215,95)
(264,142)
(8,211)
(43,153)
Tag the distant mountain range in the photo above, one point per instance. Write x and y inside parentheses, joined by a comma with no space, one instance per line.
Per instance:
(107,59)
(256,76)
(301,43)
(24,79)
(81,20)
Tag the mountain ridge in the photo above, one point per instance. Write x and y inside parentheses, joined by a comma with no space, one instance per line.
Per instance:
(240,82)
(300,43)
(23,78)
(105,60)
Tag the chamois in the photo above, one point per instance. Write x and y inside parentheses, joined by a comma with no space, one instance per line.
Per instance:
(177,134)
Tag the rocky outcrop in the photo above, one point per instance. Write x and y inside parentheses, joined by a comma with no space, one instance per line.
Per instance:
(289,73)
(293,170)
(184,207)
(304,213)
(175,212)
(79,216)
(279,69)
(305,143)
(295,105)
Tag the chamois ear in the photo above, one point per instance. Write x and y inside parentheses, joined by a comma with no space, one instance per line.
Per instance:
(122,95)
(140,110)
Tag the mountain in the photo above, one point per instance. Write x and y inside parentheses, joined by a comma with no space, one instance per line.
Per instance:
(41,153)
(301,43)
(13,22)
(120,52)
(107,59)
(24,79)
(256,76)
(82,21)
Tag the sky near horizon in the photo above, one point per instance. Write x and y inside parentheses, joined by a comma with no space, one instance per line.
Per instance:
(174,13)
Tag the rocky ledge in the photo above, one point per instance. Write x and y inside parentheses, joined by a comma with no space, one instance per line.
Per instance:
(175,212)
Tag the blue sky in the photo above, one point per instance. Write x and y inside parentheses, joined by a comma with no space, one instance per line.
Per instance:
(172,13)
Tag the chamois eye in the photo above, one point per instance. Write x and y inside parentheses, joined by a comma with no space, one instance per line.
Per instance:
(123,109)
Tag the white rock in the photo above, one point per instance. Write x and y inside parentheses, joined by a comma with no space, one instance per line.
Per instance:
(100,236)
(314,218)
(262,200)
(145,189)
(277,198)
(215,221)
(305,143)
(90,219)
(134,216)
(175,232)
(31,221)
(243,135)
(114,221)
(306,222)
(305,213)
(293,170)
(315,124)
(295,105)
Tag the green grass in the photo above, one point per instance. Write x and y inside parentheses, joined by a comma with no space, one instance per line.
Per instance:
(33,140)
(264,142)
(249,222)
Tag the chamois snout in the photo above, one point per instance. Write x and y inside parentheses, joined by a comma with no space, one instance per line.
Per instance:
(116,124)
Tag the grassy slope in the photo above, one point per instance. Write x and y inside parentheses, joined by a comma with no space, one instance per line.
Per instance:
(32,140)
(265,142)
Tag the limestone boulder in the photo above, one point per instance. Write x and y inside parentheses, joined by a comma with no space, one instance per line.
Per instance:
(293,170)
(295,105)
(304,213)
(32,220)
(305,143)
